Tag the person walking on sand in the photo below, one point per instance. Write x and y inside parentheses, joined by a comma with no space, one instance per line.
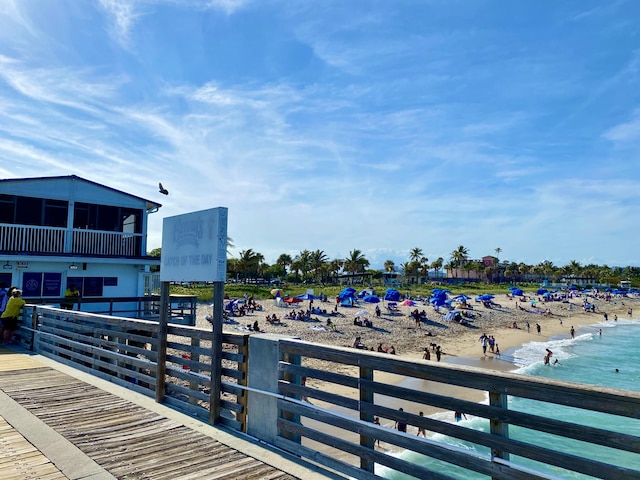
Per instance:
(426,355)
(421,430)
(400,425)
(528,326)
(572,332)
(538,328)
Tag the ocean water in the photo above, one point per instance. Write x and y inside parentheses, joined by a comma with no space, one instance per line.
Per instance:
(592,358)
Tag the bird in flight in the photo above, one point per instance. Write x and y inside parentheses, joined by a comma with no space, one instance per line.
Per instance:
(163,190)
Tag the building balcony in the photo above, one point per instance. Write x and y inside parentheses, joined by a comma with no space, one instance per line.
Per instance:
(34,240)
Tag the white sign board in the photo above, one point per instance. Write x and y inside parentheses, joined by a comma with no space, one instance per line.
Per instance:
(194,247)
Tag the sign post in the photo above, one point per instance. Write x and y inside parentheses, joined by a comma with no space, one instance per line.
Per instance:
(194,248)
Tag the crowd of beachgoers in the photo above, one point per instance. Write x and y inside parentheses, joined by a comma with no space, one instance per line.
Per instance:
(413,327)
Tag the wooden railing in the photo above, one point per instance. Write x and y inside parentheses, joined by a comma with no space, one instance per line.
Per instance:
(53,240)
(125,351)
(351,433)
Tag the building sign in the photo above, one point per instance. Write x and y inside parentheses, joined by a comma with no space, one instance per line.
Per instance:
(194,246)
(51,284)
(31,284)
(22,264)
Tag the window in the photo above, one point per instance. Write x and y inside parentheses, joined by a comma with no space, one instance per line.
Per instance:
(44,212)
(106,218)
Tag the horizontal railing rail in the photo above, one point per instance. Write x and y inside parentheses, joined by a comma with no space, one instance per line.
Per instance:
(125,351)
(34,239)
(352,433)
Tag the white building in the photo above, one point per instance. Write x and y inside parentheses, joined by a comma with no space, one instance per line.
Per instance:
(57,231)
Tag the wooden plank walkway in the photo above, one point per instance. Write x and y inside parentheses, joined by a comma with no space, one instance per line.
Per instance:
(128,441)
(19,459)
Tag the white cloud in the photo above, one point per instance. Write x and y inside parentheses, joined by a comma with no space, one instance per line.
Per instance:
(625,132)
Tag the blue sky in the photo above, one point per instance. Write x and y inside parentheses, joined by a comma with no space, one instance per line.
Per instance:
(340,125)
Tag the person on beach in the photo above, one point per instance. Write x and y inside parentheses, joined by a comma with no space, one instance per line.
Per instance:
(421,430)
(400,425)
(528,326)
(427,354)
(497,352)
(376,421)
(438,353)
(547,357)
(538,328)
(606,317)
(572,332)
(458,415)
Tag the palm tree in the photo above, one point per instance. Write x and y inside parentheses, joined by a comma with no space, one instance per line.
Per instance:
(356,262)
(318,261)
(498,252)
(389,266)
(284,261)
(249,262)
(459,255)
(437,264)
(303,259)
(415,254)
(335,266)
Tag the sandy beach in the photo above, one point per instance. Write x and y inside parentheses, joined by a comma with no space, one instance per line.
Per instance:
(456,340)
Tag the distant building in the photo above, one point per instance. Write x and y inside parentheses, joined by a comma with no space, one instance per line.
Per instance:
(58,231)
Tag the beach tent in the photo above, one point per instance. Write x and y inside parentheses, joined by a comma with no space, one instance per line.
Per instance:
(305,296)
(371,299)
(347,301)
(516,292)
(392,295)
(542,291)
(461,298)
(452,315)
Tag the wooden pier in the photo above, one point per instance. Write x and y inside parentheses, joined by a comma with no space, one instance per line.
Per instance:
(125,440)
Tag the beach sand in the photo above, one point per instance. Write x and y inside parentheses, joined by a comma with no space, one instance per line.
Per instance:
(456,340)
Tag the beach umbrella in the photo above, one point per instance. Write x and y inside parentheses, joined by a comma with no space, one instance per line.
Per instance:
(461,298)
(392,295)
(408,303)
(362,312)
(371,299)
(276,292)
(293,300)
(517,292)
(485,297)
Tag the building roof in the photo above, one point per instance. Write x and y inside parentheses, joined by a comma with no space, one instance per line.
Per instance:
(151,205)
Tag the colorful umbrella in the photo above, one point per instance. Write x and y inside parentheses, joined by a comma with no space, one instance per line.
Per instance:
(408,303)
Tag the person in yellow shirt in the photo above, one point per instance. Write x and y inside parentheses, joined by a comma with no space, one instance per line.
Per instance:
(72,294)
(11,314)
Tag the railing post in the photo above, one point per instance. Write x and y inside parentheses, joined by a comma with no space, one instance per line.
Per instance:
(498,427)
(161,367)
(243,367)
(216,354)
(34,326)
(366,396)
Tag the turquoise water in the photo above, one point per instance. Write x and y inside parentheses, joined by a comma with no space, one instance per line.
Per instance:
(590,358)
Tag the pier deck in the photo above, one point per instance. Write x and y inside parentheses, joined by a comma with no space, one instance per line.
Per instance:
(54,425)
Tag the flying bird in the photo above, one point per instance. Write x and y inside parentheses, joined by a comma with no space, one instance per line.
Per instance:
(163,190)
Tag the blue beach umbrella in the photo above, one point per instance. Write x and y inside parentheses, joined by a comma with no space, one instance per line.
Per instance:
(371,299)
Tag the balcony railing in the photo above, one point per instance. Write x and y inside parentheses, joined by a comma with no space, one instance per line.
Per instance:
(52,240)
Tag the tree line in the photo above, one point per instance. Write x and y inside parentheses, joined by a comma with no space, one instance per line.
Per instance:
(316,267)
